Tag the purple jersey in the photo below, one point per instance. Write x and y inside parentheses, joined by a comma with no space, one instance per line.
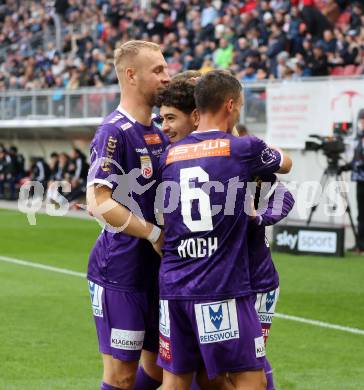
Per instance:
(205,247)
(125,157)
(263,274)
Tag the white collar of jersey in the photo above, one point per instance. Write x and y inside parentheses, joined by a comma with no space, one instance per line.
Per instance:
(207,131)
(124,112)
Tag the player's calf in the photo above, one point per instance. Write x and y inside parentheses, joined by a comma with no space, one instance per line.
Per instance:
(119,374)
(249,380)
(221,382)
(176,381)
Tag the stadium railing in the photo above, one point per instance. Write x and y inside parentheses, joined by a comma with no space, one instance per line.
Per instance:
(86,106)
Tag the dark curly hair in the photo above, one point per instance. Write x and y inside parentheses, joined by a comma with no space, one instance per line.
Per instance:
(180,93)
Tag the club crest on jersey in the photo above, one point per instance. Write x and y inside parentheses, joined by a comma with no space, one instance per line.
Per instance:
(267,156)
(217,321)
(146,167)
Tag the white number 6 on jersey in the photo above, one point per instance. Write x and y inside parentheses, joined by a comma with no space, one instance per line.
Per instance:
(189,194)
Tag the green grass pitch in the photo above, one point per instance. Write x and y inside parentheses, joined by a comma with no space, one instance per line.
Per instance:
(47,335)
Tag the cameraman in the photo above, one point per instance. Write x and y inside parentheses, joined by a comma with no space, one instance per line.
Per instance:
(357,167)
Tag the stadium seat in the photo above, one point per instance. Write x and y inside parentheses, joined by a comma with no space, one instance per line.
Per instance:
(359,70)
(344,19)
(337,71)
(349,70)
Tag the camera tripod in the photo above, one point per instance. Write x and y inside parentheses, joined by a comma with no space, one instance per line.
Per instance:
(333,171)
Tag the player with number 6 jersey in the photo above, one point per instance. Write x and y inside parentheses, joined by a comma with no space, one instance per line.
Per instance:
(204,277)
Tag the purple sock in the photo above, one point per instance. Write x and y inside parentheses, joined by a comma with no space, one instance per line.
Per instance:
(269,374)
(144,381)
(105,386)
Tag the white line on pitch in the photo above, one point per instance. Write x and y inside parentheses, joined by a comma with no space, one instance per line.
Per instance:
(42,266)
(278,315)
(320,323)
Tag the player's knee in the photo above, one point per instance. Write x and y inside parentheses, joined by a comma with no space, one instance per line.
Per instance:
(263,383)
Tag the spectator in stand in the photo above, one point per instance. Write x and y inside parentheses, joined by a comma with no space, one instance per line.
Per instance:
(16,170)
(187,30)
(59,164)
(53,165)
(328,43)
(39,171)
(356,16)
(77,174)
(318,63)
(223,56)
(4,169)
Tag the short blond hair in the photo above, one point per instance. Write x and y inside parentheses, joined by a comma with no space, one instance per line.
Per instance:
(128,50)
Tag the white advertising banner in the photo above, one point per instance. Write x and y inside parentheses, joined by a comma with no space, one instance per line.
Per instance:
(296,109)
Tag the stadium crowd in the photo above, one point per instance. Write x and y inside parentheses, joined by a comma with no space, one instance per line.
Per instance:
(61,167)
(258,39)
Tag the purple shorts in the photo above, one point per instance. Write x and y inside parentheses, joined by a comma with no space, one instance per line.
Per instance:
(265,305)
(126,322)
(224,336)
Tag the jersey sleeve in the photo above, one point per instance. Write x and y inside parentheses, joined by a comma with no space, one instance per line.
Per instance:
(263,160)
(280,203)
(159,199)
(106,153)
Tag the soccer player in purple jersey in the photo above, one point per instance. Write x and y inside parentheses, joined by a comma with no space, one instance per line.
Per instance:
(180,118)
(207,314)
(123,268)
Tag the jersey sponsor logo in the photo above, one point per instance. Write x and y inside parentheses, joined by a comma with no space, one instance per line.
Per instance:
(268,156)
(157,152)
(165,349)
(129,340)
(96,298)
(110,149)
(115,118)
(146,167)
(152,139)
(164,323)
(216,317)
(270,300)
(265,305)
(142,150)
(126,126)
(259,347)
(197,247)
(265,331)
(209,148)
(217,321)
(265,318)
